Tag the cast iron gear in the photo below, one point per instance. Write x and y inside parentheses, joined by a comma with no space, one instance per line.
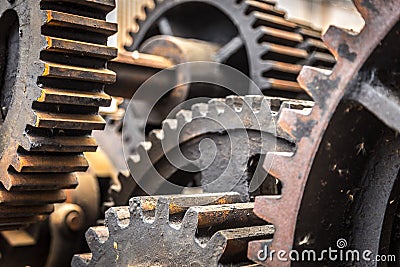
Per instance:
(52,66)
(237,130)
(345,169)
(252,35)
(176,231)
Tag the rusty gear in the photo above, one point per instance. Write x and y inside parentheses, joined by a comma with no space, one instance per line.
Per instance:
(275,47)
(53,56)
(177,231)
(241,128)
(253,31)
(335,175)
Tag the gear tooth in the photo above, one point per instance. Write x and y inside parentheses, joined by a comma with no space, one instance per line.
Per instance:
(313,89)
(170,129)
(199,110)
(267,208)
(265,109)
(265,119)
(116,218)
(142,155)
(96,236)
(254,101)
(81,260)
(293,122)
(235,102)
(156,136)
(338,40)
(218,242)
(135,209)
(216,107)
(172,136)
(162,210)
(134,158)
(143,147)
(183,117)
(190,222)
(275,164)
(169,126)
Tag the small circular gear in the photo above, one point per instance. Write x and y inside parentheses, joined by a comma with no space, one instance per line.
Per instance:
(53,58)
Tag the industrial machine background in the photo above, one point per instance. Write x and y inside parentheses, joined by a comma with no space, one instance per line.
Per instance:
(333,174)
(252,36)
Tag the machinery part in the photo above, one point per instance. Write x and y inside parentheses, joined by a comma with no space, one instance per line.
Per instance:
(253,37)
(176,231)
(337,199)
(133,70)
(53,56)
(240,128)
(54,241)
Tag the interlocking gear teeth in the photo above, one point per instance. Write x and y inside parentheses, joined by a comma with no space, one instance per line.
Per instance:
(312,89)
(213,120)
(291,120)
(276,47)
(282,211)
(55,99)
(211,235)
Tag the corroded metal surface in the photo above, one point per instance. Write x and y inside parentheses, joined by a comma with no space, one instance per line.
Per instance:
(275,47)
(174,233)
(327,89)
(50,103)
(240,127)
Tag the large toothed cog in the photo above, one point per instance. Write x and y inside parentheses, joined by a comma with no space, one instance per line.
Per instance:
(254,35)
(173,231)
(222,139)
(341,182)
(53,58)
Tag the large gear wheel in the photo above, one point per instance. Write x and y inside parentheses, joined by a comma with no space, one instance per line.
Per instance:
(52,66)
(241,128)
(345,169)
(252,36)
(177,231)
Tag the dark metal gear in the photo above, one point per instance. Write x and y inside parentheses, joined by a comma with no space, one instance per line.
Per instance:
(175,231)
(342,180)
(52,67)
(237,131)
(252,36)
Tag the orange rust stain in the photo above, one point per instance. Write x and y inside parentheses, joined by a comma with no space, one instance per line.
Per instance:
(49,16)
(49,42)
